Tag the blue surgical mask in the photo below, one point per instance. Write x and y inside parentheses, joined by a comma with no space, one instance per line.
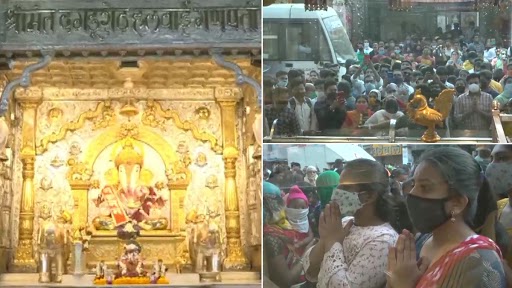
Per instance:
(397,51)
(382,52)
(282,83)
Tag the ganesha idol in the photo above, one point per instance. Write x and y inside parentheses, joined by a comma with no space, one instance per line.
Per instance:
(129,200)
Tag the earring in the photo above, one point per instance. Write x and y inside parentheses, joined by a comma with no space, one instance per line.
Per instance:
(453,218)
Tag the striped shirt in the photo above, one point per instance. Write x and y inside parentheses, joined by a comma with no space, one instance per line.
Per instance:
(475,121)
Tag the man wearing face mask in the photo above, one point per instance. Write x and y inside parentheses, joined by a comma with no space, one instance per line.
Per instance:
(367,49)
(303,107)
(331,112)
(287,123)
(353,252)
(381,54)
(460,87)
(282,79)
(473,109)
(404,90)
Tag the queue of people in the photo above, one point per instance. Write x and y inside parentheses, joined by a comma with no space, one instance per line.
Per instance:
(443,222)
(379,84)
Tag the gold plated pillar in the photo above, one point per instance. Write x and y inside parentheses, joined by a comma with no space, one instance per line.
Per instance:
(24,257)
(228,99)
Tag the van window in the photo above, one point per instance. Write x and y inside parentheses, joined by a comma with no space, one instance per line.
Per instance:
(295,41)
(271,42)
(339,38)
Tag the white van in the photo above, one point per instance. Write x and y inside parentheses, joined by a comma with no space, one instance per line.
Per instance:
(297,39)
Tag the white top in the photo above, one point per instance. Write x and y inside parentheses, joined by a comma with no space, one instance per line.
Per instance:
(359,262)
(305,115)
(382,116)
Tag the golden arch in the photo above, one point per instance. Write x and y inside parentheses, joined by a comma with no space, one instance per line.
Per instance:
(113,135)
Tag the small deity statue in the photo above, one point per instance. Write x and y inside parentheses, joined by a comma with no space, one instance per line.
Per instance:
(159,269)
(101,270)
(209,249)
(130,263)
(130,199)
(51,241)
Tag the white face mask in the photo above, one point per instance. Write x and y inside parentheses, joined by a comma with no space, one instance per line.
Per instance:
(298,219)
(349,202)
(366,45)
(282,83)
(474,88)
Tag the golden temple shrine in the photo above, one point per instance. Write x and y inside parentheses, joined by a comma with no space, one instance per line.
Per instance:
(118,118)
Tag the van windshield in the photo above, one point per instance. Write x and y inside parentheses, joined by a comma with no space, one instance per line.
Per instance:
(339,38)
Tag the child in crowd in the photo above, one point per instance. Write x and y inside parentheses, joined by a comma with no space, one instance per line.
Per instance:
(297,210)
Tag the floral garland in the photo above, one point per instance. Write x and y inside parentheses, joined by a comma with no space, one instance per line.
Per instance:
(131,281)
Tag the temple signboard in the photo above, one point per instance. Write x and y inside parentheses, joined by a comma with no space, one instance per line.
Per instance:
(385,150)
(48,24)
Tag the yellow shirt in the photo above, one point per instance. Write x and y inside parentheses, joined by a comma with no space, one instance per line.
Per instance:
(501,205)
(467,65)
(496,86)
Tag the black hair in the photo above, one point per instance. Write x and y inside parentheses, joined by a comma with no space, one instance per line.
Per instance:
(466,178)
(294,164)
(472,76)
(442,71)
(319,82)
(344,86)
(391,105)
(280,73)
(294,73)
(396,67)
(326,73)
(329,82)
(295,83)
(389,208)
(452,79)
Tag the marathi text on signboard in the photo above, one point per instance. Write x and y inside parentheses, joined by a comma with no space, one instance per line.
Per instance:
(385,150)
(100,23)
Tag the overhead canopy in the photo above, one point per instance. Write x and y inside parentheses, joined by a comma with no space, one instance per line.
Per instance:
(347,152)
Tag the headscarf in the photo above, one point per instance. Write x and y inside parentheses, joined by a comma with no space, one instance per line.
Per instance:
(273,206)
(379,96)
(296,193)
(325,184)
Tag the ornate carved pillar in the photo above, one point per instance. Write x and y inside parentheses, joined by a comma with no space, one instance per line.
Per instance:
(24,258)
(228,99)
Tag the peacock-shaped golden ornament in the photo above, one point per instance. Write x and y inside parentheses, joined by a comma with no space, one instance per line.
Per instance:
(419,112)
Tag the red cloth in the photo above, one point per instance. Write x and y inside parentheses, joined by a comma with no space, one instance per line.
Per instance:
(437,272)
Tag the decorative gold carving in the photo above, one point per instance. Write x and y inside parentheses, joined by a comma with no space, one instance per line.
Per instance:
(203,113)
(161,73)
(24,257)
(154,109)
(103,112)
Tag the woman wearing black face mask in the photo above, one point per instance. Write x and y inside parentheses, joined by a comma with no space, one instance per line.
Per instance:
(447,200)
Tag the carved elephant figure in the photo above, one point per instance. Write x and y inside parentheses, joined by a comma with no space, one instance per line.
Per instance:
(52,252)
(4,136)
(208,250)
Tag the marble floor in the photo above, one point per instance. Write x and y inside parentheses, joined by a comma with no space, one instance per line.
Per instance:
(229,280)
